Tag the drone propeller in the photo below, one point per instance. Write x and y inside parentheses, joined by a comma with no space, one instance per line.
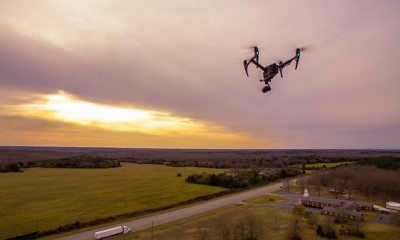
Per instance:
(280,68)
(305,48)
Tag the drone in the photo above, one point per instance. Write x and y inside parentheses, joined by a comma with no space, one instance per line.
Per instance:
(271,70)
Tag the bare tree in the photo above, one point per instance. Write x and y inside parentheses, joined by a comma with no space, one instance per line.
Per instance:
(295,231)
(316,181)
(241,231)
(223,229)
(202,233)
(253,227)
(349,186)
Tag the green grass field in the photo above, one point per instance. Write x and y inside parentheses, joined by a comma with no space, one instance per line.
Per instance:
(266,199)
(328,165)
(45,198)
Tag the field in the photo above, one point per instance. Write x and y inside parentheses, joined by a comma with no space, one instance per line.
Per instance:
(269,223)
(328,165)
(190,228)
(266,199)
(46,198)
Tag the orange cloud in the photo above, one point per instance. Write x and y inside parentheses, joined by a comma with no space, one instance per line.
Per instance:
(62,119)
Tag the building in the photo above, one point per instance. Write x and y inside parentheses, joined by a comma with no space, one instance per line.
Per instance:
(342,213)
(322,202)
(341,208)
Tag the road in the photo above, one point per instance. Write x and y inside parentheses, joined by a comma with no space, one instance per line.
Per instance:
(173,215)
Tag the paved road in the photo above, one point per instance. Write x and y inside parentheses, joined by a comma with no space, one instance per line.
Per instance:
(146,222)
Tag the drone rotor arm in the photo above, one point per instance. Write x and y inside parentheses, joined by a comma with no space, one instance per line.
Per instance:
(297,61)
(298,50)
(280,68)
(246,65)
(257,64)
(256,57)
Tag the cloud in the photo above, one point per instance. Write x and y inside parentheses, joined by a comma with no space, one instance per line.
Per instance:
(62,119)
(185,58)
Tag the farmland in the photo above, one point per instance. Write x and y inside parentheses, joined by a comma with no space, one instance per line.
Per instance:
(327,165)
(46,198)
(42,199)
(266,199)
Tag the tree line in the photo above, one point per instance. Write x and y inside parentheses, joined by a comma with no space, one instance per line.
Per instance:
(386,162)
(238,161)
(243,178)
(370,181)
(83,161)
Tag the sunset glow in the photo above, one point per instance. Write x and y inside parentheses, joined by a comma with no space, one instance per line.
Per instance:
(65,107)
(61,119)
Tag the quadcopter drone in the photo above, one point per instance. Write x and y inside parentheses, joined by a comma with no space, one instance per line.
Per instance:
(271,70)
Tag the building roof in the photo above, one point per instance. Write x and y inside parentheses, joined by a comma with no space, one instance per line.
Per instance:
(324,200)
(336,201)
(343,211)
(351,206)
(364,204)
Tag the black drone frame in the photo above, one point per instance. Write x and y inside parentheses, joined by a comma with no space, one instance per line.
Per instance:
(270,71)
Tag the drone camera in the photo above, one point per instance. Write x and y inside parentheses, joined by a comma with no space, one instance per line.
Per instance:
(266,89)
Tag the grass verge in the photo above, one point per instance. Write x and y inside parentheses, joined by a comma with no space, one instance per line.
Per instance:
(266,199)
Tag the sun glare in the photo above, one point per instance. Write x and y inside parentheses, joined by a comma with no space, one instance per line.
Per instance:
(67,108)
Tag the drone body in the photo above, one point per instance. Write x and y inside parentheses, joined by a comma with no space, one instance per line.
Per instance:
(271,70)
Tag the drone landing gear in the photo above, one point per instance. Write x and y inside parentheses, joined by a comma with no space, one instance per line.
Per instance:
(266,88)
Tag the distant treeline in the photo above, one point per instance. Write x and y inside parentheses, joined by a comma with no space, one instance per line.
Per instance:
(389,163)
(83,161)
(242,178)
(218,158)
(370,181)
(251,161)
(12,167)
(246,161)
(377,177)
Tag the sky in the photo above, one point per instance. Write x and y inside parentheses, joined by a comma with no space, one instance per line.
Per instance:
(169,74)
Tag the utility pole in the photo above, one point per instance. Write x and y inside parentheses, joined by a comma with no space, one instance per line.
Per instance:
(152,225)
(37,228)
